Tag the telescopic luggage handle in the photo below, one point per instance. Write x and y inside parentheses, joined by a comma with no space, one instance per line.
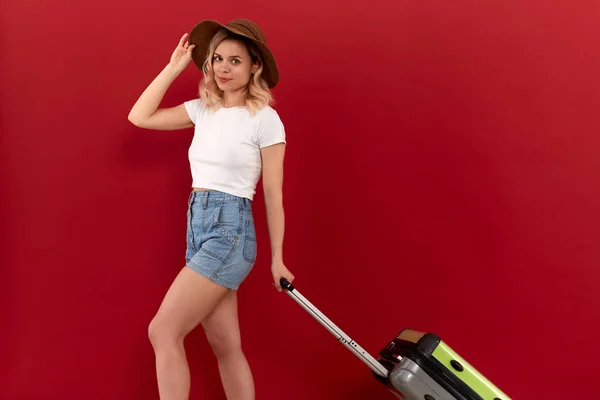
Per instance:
(371,362)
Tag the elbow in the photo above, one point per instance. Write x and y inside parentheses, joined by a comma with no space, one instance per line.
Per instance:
(273,198)
(134,120)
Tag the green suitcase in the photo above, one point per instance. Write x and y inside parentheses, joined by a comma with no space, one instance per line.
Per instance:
(440,363)
(414,365)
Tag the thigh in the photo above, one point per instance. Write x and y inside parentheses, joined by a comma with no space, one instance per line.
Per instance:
(222,325)
(189,300)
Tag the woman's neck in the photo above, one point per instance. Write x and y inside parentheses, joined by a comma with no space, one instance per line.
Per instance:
(234,99)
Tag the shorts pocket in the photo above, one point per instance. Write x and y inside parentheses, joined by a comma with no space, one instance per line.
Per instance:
(220,247)
(227,221)
(249,251)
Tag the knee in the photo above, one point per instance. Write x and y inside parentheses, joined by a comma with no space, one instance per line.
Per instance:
(160,333)
(223,345)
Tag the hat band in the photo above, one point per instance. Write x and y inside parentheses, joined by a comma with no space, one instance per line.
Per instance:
(245,29)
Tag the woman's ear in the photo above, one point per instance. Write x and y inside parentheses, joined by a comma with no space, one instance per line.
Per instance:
(255,67)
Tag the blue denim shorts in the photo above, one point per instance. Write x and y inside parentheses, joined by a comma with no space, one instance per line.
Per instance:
(221,240)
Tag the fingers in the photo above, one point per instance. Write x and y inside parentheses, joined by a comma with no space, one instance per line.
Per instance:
(288,277)
(189,50)
(279,271)
(182,41)
(277,282)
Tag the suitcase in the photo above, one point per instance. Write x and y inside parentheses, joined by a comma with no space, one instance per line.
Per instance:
(414,365)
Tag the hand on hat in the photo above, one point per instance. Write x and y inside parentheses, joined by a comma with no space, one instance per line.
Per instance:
(182,55)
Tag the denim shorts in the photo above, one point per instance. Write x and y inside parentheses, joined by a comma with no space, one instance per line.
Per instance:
(221,240)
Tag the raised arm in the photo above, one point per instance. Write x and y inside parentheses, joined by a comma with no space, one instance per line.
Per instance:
(145,112)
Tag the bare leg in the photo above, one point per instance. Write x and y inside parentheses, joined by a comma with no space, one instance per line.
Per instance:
(223,333)
(189,300)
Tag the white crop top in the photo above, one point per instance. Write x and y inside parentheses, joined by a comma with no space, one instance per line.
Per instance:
(225,151)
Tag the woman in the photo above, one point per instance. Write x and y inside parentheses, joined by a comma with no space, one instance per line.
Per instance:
(237,137)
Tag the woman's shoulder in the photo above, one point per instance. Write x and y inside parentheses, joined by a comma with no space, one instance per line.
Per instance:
(268,113)
(194,106)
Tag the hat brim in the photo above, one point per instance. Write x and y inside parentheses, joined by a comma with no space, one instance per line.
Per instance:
(203,32)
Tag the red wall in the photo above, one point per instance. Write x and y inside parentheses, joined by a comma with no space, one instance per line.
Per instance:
(442,174)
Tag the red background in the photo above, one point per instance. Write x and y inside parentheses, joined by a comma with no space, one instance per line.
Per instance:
(442,174)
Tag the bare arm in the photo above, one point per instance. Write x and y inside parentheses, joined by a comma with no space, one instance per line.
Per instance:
(272,158)
(145,112)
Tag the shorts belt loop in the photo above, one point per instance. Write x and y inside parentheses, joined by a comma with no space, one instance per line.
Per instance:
(205,203)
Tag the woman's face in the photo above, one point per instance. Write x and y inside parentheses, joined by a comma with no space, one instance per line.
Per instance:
(232,65)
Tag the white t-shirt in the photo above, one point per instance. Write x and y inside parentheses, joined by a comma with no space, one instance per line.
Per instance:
(225,152)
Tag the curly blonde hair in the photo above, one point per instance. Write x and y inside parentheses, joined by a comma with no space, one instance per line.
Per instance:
(258,94)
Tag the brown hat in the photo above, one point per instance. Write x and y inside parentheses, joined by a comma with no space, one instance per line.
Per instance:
(203,32)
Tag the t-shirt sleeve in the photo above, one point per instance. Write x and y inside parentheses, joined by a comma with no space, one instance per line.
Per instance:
(270,130)
(193,108)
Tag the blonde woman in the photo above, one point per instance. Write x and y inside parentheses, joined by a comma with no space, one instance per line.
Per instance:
(238,137)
